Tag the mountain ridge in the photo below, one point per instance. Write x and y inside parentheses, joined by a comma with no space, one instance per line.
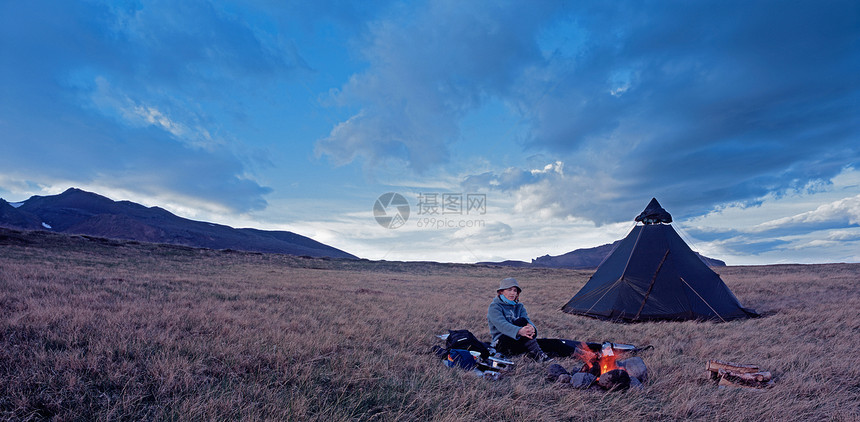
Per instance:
(582,259)
(76,211)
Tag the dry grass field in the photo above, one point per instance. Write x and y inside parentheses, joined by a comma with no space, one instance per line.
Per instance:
(105,330)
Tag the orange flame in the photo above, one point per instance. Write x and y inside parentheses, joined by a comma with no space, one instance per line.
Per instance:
(604,361)
(584,353)
(607,363)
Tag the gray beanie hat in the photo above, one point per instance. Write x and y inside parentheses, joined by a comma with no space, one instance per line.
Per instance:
(508,283)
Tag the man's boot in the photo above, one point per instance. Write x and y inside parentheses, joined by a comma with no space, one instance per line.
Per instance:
(536,352)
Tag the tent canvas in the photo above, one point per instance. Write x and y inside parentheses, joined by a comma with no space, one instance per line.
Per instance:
(653,275)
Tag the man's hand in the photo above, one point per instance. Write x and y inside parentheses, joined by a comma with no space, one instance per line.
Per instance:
(528,331)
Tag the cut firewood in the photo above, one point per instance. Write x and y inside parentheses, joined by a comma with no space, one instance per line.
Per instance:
(729,381)
(738,375)
(748,377)
(717,365)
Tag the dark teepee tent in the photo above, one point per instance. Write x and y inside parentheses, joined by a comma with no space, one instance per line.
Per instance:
(653,275)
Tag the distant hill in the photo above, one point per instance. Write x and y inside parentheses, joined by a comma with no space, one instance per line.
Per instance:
(79,212)
(587,258)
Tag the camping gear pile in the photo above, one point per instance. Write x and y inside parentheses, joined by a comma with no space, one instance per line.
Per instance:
(611,366)
(463,350)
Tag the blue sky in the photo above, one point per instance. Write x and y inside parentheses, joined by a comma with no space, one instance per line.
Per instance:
(566,117)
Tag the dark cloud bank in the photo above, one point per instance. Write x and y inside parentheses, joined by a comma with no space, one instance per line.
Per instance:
(697,103)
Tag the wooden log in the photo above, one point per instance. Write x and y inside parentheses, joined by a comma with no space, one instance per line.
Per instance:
(748,380)
(752,377)
(717,365)
(726,382)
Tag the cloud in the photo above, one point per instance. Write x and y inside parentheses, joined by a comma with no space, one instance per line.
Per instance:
(751,246)
(813,246)
(816,226)
(558,190)
(110,102)
(842,213)
(479,230)
(427,67)
(697,104)
(719,107)
(513,178)
(137,93)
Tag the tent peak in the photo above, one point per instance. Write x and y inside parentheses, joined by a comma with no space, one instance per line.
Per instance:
(654,213)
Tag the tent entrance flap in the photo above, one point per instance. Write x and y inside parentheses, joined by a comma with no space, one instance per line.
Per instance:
(651,286)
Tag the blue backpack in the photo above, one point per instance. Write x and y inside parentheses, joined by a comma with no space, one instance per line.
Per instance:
(461,358)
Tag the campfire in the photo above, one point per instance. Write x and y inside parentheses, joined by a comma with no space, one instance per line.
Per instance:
(610,366)
(598,363)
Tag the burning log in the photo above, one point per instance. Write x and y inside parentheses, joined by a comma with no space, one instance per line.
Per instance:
(599,362)
(738,375)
